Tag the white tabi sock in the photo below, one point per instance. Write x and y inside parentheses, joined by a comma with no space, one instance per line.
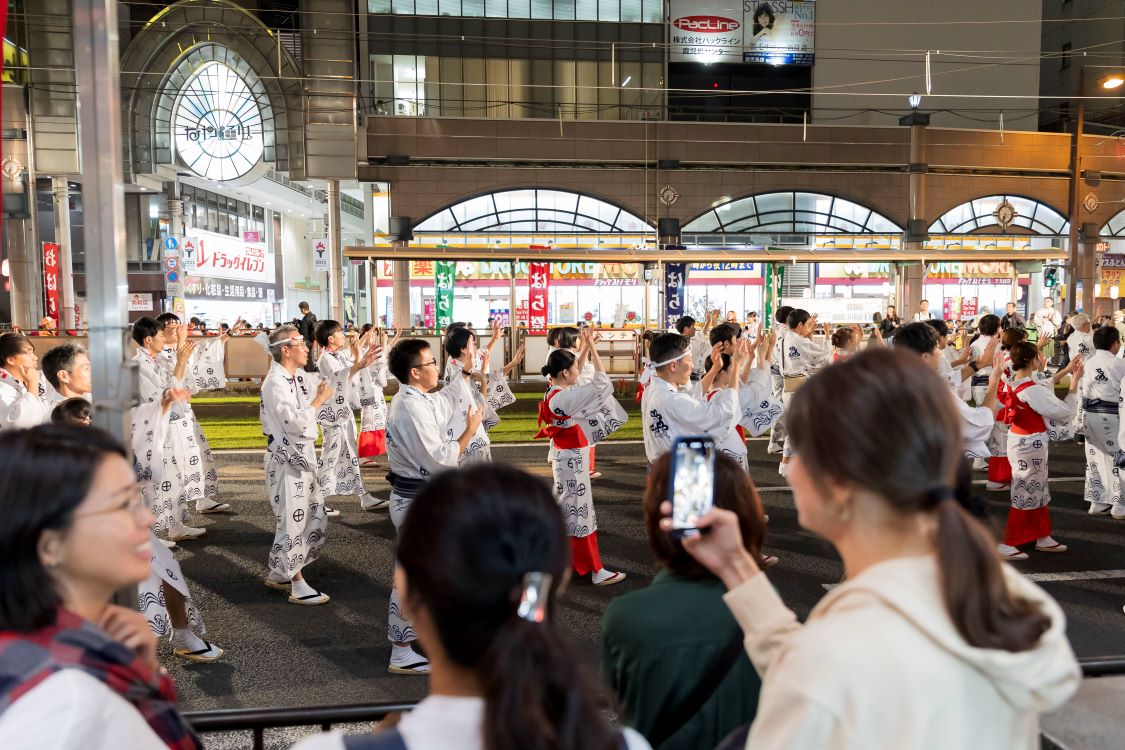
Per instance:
(187,640)
(301,588)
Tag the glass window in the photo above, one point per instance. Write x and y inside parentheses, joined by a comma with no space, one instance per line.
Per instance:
(542,9)
(564,10)
(383,84)
(631,10)
(476,94)
(609,10)
(425,7)
(472,8)
(496,8)
(403,7)
(533,211)
(783,212)
(586,10)
(519,8)
(378,6)
(449,7)
(654,11)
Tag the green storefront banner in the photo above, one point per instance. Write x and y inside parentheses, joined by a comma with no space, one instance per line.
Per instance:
(444,274)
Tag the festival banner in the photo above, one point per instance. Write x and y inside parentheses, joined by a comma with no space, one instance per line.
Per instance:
(444,275)
(51,279)
(675,284)
(538,279)
(320,255)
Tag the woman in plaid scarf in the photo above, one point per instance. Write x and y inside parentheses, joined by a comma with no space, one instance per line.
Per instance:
(76,671)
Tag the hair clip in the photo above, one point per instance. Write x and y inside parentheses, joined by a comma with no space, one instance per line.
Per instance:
(534,596)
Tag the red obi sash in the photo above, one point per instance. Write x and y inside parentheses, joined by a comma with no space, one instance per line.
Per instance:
(739,428)
(1020,417)
(566,436)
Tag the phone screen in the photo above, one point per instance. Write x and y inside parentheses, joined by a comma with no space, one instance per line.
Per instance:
(693,482)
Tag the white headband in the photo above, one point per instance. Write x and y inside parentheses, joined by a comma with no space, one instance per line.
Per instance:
(291,341)
(677,358)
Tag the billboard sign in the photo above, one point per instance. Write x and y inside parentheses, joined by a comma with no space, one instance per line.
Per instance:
(775,32)
(779,32)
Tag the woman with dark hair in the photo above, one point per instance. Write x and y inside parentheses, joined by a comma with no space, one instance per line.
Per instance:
(605,418)
(23,401)
(483,557)
(570,451)
(1033,410)
(878,450)
(763,22)
(672,652)
(75,671)
(471,387)
(373,401)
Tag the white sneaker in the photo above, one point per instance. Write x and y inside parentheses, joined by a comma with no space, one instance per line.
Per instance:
(187,532)
(1099,509)
(1048,544)
(371,503)
(996,486)
(405,660)
(1008,552)
(783,469)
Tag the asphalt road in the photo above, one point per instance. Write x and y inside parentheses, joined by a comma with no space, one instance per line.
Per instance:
(280,654)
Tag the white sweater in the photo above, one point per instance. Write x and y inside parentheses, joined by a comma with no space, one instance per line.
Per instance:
(880,666)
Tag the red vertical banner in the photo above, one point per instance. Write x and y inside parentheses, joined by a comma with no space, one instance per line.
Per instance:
(538,277)
(51,279)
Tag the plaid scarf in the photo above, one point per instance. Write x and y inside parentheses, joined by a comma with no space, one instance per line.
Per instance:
(27,659)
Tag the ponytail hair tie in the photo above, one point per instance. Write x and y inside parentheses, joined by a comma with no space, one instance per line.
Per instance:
(937,494)
(534,595)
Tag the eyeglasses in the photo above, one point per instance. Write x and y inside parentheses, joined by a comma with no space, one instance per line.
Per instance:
(432,363)
(135,506)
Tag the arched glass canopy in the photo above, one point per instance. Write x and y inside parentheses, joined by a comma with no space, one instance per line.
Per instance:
(977,214)
(792,212)
(534,210)
(1115,227)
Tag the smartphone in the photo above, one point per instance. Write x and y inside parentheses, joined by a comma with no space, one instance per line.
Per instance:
(692,489)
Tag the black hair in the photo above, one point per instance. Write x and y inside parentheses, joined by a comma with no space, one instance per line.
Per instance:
(457,340)
(567,337)
(797,318)
(782,314)
(685,321)
(59,359)
(559,361)
(35,497)
(1105,337)
(938,325)
(195,321)
(466,546)
(763,9)
(665,345)
(145,327)
(723,333)
(989,325)
(725,358)
(552,337)
(324,329)
(12,344)
(72,411)
(404,357)
(165,318)
(224,326)
(303,306)
(918,337)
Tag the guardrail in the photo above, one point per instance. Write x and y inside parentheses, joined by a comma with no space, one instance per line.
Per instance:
(258,720)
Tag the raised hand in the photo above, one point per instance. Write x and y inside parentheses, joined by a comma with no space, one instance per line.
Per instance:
(174,395)
(129,627)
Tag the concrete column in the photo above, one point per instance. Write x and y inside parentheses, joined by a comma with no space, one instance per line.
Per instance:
(372,289)
(66,256)
(400,291)
(912,280)
(24,263)
(176,217)
(335,268)
(1081,266)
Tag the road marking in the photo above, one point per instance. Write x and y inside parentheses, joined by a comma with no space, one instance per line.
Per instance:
(494,446)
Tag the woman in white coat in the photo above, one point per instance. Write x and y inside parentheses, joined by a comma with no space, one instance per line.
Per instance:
(932,642)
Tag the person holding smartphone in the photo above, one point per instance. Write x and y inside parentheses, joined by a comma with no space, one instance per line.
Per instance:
(672,652)
(927,608)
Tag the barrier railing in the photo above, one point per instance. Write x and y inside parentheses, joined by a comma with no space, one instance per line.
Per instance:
(258,720)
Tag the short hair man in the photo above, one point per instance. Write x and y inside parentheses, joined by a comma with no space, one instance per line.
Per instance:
(923,313)
(1012,318)
(1101,422)
(67,369)
(688,327)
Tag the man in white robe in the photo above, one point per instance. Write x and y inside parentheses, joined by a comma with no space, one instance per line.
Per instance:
(670,409)
(67,369)
(22,399)
(777,382)
(291,398)
(1100,387)
(420,443)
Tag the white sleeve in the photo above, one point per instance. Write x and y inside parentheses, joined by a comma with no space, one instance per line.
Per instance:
(717,417)
(20,409)
(71,710)
(334,411)
(759,410)
(1044,401)
(976,427)
(150,429)
(431,449)
(580,399)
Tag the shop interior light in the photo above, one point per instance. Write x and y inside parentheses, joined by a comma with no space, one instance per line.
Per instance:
(1113,81)
(626,81)
(1115,291)
(4,268)
(1097,290)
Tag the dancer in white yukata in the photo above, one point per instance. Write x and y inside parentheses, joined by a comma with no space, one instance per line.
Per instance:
(1101,405)
(1081,342)
(605,418)
(801,357)
(1033,412)
(571,450)
(777,434)
(373,403)
(748,373)
(291,398)
(182,479)
(468,376)
(671,407)
(419,445)
(337,472)
(204,371)
(23,401)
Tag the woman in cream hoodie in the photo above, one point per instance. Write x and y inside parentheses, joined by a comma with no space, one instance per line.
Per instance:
(931,643)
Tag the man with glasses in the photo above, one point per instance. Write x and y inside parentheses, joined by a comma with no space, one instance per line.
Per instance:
(291,398)
(420,443)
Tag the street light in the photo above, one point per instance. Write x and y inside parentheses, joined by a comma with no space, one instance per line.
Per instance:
(915,99)
(1112,81)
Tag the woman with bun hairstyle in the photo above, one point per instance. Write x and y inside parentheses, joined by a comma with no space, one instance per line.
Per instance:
(570,450)
(483,557)
(932,642)
(1033,410)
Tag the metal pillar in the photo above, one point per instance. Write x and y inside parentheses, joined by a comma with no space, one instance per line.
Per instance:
(1081,266)
(372,287)
(66,256)
(24,259)
(335,265)
(96,61)
(400,291)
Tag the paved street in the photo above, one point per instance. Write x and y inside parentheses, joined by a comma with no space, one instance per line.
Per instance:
(282,655)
